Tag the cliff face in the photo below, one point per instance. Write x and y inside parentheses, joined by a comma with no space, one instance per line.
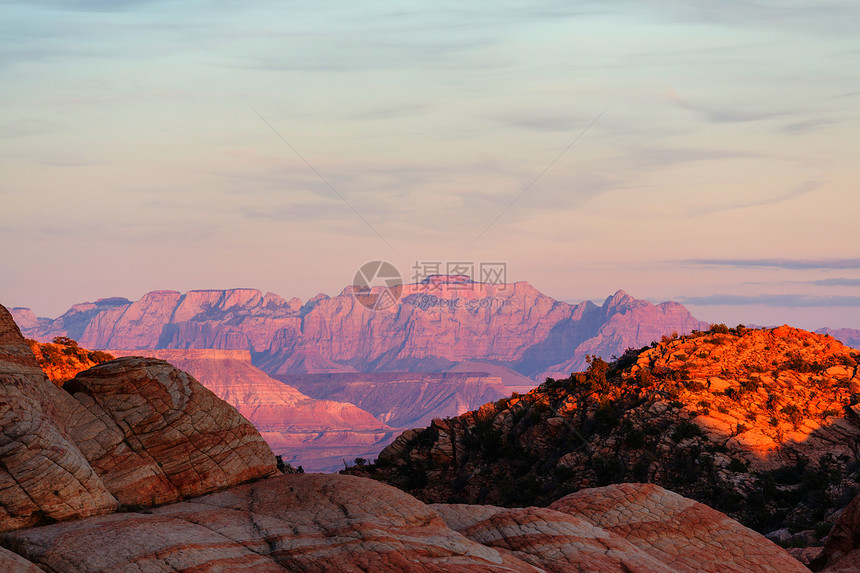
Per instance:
(136,433)
(761,424)
(511,325)
(404,399)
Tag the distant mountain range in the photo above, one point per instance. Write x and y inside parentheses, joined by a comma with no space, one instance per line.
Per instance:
(436,327)
(346,378)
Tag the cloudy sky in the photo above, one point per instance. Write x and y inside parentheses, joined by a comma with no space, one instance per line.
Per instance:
(680,150)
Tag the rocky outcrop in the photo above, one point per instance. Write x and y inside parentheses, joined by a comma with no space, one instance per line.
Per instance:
(435,326)
(143,432)
(341,523)
(316,434)
(760,424)
(404,399)
(841,553)
(62,359)
(136,432)
(550,540)
(675,530)
(161,436)
(14,563)
(43,475)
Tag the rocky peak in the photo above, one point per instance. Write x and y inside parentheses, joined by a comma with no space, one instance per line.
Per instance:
(618,301)
(756,423)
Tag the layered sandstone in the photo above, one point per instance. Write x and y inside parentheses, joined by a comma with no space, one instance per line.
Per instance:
(435,326)
(404,399)
(147,433)
(317,434)
(164,436)
(43,475)
(323,523)
(132,431)
(675,530)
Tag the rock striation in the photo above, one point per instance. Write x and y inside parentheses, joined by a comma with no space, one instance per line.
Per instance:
(315,433)
(43,475)
(156,435)
(675,530)
(760,424)
(131,431)
(436,326)
(323,523)
(404,399)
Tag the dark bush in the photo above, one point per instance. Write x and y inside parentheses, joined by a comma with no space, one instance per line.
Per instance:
(686,430)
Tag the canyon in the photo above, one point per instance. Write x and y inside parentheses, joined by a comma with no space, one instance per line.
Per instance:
(134,466)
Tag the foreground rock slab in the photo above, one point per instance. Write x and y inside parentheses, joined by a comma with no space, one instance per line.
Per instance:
(689,536)
(321,523)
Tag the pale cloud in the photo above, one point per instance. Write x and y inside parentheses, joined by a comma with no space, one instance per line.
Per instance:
(791,264)
(785,300)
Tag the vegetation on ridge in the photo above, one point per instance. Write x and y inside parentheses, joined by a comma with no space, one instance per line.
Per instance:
(757,423)
(62,359)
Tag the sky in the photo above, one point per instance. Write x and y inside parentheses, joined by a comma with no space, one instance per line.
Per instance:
(678,150)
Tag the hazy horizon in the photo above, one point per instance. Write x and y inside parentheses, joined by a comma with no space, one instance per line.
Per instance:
(677,151)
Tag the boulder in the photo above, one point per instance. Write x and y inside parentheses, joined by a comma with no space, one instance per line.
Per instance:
(156,435)
(550,540)
(690,536)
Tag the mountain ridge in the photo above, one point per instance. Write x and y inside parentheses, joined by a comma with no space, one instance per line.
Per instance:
(433,328)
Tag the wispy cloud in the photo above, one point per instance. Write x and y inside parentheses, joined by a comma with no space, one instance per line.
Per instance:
(838,281)
(800,127)
(784,300)
(803,189)
(397,111)
(792,264)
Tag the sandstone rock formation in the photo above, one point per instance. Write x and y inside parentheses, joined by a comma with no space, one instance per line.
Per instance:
(43,475)
(316,434)
(341,523)
(675,530)
(135,432)
(157,435)
(434,327)
(841,553)
(404,399)
(761,424)
(145,432)
(13,563)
